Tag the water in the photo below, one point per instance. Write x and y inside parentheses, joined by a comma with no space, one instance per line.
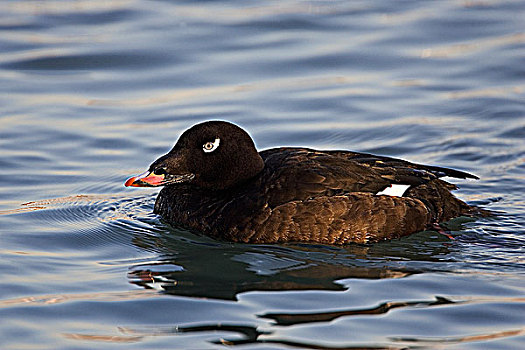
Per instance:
(93,91)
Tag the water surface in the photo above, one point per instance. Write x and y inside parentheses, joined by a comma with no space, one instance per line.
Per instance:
(92,92)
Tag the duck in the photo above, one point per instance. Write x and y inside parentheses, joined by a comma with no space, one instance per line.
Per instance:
(215,182)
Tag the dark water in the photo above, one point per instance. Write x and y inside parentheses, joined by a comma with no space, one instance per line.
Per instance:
(93,91)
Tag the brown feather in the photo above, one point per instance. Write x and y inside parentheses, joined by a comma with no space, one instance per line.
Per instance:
(313,196)
(235,193)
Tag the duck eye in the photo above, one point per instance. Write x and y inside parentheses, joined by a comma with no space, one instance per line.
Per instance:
(160,171)
(211,146)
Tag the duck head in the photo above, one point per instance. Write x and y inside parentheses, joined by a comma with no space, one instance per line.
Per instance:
(213,155)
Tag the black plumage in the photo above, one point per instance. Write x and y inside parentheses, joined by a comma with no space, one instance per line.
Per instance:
(218,184)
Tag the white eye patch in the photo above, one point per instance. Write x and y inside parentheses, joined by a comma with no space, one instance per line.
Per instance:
(211,146)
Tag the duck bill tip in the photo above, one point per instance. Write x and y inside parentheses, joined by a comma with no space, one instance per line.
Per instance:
(147,179)
(131,182)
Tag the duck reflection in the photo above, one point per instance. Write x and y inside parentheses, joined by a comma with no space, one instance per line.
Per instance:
(197,266)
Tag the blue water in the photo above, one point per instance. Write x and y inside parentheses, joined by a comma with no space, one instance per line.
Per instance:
(93,91)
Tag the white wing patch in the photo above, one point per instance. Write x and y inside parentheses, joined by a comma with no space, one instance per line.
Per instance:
(394,190)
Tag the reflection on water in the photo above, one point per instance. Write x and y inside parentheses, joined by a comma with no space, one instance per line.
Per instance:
(464,48)
(183,264)
(191,265)
(42,300)
(238,335)
(224,273)
(293,319)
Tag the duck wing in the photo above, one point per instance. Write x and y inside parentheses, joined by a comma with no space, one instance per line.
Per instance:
(405,171)
(302,173)
(298,174)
